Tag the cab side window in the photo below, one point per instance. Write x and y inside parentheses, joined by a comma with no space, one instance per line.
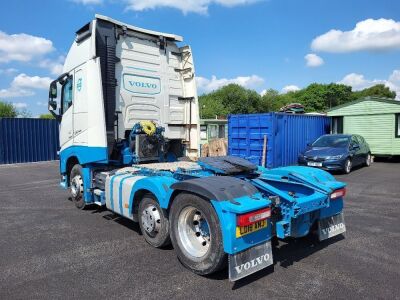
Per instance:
(67,94)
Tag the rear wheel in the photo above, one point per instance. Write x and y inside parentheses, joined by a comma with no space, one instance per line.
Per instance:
(347,166)
(153,222)
(76,186)
(196,234)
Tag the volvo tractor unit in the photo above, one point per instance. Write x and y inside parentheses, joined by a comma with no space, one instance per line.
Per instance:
(129,138)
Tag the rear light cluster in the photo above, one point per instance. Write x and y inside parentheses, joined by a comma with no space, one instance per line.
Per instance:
(253,217)
(338,193)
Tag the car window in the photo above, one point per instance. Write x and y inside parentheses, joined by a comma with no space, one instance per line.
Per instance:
(354,140)
(67,94)
(331,141)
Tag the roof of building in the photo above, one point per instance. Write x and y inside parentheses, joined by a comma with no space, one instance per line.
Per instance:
(378,99)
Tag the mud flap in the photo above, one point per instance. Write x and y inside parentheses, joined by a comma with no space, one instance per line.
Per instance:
(250,261)
(331,226)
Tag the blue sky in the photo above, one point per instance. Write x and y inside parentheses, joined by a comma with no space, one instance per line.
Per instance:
(280,44)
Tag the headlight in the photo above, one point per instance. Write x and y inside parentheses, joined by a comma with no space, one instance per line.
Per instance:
(334,157)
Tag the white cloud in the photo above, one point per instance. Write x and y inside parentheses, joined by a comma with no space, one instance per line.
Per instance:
(186,6)
(33,82)
(313,60)
(20,105)
(290,88)
(359,82)
(40,103)
(8,71)
(54,66)
(13,93)
(22,47)
(22,86)
(206,85)
(368,35)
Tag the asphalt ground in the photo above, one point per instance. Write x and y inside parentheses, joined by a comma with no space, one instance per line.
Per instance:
(51,250)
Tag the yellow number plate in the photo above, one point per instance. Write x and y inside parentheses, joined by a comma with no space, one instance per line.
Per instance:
(243,230)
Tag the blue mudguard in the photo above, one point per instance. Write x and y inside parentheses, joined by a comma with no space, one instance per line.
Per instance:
(228,211)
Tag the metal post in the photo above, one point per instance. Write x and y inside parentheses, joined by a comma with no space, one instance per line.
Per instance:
(264,154)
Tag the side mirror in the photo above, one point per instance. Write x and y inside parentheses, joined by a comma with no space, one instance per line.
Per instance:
(53,90)
(52,104)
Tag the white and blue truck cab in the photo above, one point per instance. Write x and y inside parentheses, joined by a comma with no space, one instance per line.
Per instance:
(129,138)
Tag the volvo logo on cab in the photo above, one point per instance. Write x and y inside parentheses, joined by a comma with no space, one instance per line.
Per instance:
(143,84)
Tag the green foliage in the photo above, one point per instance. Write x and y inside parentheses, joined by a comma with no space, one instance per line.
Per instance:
(320,97)
(378,90)
(7,110)
(230,99)
(46,116)
(24,113)
(234,99)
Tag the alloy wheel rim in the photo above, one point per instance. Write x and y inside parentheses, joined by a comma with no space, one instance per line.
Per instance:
(194,232)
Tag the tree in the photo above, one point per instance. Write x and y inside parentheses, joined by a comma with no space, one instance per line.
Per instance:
(230,99)
(270,101)
(46,116)
(7,110)
(24,113)
(378,90)
(320,97)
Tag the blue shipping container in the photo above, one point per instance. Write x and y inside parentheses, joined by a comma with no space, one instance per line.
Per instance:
(287,135)
(28,140)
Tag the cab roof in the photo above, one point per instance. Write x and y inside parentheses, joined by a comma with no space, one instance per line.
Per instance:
(169,36)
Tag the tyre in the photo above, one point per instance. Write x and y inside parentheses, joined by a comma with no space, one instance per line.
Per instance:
(196,234)
(368,160)
(347,166)
(76,186)
(153,222)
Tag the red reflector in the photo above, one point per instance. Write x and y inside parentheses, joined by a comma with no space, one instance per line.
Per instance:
(252,217)
(338,193)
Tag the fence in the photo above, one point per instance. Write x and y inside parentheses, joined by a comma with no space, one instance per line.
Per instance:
(28,140)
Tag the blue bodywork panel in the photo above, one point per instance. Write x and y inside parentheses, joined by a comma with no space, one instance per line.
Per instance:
(298,196)
(84,154)
(304,197)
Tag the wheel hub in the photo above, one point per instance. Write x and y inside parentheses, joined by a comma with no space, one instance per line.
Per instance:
(77,186)
(194,231)
(151,219)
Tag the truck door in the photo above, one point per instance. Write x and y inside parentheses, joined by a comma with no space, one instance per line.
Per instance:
(80,109)
(66,128)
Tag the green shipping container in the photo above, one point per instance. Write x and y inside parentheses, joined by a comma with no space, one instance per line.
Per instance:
(376,119)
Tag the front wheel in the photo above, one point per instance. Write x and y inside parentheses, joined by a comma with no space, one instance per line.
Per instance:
(76,186)
(347,166)
(196,234)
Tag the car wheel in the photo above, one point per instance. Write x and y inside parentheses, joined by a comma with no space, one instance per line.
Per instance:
(347,166)
(368,160)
